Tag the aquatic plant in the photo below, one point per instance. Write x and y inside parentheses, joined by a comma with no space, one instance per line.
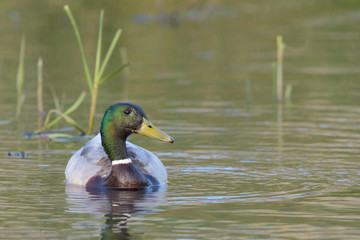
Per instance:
(40,92)
(64,115)
(273,67)
(288,93)
(42,126)
(20,78)
(279,67)
(278,74)
(98,78)
(125,60)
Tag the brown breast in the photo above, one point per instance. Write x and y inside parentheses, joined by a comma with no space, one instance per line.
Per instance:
(121,176)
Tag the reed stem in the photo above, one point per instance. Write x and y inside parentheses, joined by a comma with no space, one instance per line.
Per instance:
(40,93)
(20,78)
(279,67)
(100,67)
(125,60)
(64,115)
(93,108)
(288,93)
(99,45)
(78,38)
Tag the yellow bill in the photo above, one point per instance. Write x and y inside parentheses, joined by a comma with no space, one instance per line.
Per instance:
(148,129)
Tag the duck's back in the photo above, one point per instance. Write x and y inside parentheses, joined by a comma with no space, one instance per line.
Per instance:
(91,160)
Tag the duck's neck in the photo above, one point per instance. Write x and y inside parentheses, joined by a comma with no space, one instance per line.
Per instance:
(114,146)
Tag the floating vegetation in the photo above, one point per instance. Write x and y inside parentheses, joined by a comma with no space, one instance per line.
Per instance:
(62,137)
(20,78)
(98,78)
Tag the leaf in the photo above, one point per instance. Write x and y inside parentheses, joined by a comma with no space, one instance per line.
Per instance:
(47,120)
(71,122)
(48,124)
(76,104)
(98,52)
(40,86)
(20,73)
(56,99)
(110,75)
(78,37)
(20,77)
(109,53)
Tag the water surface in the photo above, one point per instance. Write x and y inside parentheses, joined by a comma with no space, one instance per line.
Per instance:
(240,168)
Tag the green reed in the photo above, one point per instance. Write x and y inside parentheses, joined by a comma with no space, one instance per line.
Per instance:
(42,126)
(40,92)
(288,93)
(100,66)
(62,115)
(125,60)
(279,94)
(20,78)
(279,67)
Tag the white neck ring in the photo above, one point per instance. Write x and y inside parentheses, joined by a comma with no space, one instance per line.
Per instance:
(121,161)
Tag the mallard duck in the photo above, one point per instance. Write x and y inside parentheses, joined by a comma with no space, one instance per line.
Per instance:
(108,160)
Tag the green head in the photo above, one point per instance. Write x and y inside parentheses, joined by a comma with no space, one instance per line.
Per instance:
(121,120)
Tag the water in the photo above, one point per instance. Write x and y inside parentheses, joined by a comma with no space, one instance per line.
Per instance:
(236,171)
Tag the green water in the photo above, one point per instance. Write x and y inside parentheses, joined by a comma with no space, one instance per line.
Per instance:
(237,170)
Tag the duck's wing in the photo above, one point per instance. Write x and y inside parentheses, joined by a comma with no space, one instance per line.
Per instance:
(88,161)
(148,163)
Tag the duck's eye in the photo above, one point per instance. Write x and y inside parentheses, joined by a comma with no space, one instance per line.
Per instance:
(127,111)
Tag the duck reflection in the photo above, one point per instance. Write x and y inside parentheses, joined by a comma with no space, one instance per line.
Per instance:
(116,206)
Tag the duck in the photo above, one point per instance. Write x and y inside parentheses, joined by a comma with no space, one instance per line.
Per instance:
(109,161)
